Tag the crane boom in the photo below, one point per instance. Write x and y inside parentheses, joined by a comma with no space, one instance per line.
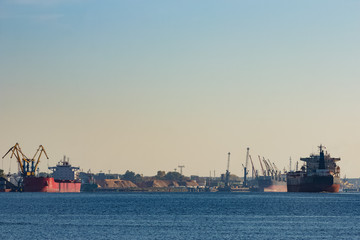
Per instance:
(25,162)
(253,168)
(19,155)
(271,167)
(268,169)
(262,168)
(41,149)
(276,169)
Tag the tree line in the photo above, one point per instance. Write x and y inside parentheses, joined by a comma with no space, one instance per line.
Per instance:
(161,175)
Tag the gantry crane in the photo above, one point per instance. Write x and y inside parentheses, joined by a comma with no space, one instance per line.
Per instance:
(27,166)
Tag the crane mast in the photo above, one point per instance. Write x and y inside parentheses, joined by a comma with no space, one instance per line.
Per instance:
(245,168)
(227,172)
(253,173)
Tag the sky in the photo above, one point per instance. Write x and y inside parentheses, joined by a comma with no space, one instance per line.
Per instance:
(150,85)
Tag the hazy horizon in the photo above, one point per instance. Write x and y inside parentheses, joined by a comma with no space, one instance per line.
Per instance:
(150,85)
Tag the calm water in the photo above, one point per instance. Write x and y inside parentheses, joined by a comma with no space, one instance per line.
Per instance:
(179,216)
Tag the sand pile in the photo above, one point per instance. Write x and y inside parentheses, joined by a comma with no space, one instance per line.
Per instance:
(191,183)
(115,183)
(166,183)
(154,184)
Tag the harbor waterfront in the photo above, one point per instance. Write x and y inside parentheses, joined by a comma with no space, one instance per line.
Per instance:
(180,216)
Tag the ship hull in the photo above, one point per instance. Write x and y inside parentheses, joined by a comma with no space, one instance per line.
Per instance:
(48,184)
(334,188)
(313,184)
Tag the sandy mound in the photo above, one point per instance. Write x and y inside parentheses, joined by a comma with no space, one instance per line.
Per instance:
(166,183)
(191,183)
(115,183)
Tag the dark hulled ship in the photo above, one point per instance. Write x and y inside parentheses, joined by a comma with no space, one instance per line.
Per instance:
(270,180)
(269,183)
(319,174)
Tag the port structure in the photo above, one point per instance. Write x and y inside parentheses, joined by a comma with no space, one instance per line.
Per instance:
(27,166)
(245,167)
(227,175)
(181,168)
(254,172)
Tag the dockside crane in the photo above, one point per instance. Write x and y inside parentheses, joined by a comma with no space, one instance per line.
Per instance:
(271,168)
(37,155)
(227,175)
(245,167)
(262,168)
(277,173)
(19,155)
(276,169)
(267,166)
(27,166)
(253,173)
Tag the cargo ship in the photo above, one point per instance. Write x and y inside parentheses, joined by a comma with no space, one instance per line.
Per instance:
(7,186)
(319,174)
(62,180)
(269,183)
(270,180)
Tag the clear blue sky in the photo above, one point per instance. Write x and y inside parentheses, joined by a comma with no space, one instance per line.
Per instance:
(149,85)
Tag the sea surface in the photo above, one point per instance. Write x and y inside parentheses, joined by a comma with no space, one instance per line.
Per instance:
(179,216)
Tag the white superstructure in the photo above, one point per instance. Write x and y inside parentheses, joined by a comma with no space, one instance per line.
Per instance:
(64,171)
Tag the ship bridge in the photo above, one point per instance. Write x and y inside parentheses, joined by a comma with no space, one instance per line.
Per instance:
(64,171)
(313,162)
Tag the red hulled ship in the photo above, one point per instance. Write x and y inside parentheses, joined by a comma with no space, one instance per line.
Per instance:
(63,176)
(319,174)
(48,184)
(63,180)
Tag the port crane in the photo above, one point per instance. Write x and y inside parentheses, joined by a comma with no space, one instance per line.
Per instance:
(262,168)
(27,166)
(254,172)
(276,169)
(271,168)
(227,175)
(245,167)
(268,169)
